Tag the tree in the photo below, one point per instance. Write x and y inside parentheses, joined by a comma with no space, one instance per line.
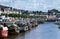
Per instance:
(40,12)
(54,10)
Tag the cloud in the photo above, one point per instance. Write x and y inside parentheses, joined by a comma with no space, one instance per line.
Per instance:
(5,0)
(43,5)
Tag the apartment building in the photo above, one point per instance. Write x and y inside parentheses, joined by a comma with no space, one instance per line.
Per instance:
(9,10)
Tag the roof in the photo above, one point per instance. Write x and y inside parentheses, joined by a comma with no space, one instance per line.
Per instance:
(1,6)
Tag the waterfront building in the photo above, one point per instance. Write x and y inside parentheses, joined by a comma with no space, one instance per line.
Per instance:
(9,10)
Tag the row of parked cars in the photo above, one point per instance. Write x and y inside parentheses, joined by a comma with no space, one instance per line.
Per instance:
(15,26)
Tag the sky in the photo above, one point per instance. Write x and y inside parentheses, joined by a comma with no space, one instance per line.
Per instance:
(32,5)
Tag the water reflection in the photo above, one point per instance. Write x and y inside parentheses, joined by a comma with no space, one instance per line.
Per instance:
(3,38)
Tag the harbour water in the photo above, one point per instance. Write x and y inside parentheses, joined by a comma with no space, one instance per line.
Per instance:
(47,30)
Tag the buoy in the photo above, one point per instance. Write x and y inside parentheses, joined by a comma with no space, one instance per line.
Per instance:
(4,32)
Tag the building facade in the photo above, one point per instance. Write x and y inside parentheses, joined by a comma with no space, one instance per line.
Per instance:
(9,10)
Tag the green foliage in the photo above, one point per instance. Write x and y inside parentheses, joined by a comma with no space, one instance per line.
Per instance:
(53,10)
(22,15)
